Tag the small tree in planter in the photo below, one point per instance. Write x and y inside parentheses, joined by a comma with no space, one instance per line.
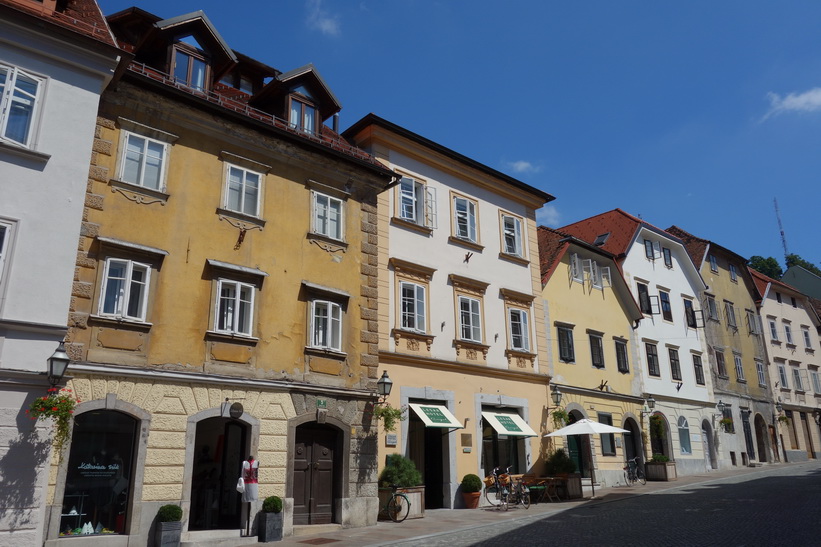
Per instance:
(559,463)
(471,490)
(401,472)
(270,520)
(660,468)
(169,526)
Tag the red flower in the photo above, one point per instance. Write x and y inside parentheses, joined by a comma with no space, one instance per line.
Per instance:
(54,409)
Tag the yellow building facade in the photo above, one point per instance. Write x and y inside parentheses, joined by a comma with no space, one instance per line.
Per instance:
(590,316)
(224,305)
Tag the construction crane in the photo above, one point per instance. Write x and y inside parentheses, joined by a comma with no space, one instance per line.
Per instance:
(781,229)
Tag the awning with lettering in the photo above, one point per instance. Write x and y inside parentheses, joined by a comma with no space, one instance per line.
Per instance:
(436,415)
(508,423)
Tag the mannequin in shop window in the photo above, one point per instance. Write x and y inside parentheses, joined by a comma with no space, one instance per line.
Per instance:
(250,476)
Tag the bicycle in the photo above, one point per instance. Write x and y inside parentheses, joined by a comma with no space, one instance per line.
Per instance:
(633,472)
(500,493)
(398,505)
(520,494)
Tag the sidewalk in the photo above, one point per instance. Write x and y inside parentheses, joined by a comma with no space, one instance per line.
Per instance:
(440,521)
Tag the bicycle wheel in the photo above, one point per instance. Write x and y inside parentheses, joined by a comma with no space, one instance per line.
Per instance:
(524,497)
(640,476)
(492,495)
(398,507)
(504,499)
(627,480)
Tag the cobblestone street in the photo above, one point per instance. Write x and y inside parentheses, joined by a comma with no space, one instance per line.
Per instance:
(736,507)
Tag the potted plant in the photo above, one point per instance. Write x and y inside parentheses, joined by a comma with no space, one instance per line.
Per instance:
(560,464)
(388,415)
(660,468)
(57,405)
(270,520)
(471,490)
(726,425)
(560,417)
(402,472)
(169,526)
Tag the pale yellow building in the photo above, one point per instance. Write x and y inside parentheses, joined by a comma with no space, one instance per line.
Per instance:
(461,325)
(591,316)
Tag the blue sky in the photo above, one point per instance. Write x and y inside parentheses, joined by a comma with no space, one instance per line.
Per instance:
(694,113)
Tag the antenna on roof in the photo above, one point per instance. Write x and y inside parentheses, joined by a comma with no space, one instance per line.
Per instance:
(781,228)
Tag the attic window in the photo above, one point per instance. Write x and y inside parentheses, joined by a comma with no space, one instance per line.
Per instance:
(600,239)
(190,64)
(303,115)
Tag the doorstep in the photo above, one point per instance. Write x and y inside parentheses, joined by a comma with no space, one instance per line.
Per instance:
(313,529)
(215,538)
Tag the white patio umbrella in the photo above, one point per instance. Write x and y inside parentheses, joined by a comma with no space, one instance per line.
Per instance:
(587,427)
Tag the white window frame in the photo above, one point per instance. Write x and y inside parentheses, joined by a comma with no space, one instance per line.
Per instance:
(12,98)
(243,207)
(325,328)
(228,311)
(739,367)
(816,381)
(782,375)
(143,154)
(798,385)
(512,241)
(6,239)
(759,368)
(323,207)
(648,250)
(773,329)
(470,319)
(668,256)
(576,268)
(122,300)
(413,307)
(519,329)
(807,340)
(788,334)
(733,273)
(465,223)
(299,118)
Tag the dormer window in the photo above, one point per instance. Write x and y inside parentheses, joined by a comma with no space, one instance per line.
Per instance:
(303,116)
(190,64)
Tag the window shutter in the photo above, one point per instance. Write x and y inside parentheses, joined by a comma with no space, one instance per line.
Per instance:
(699,315)
(587,268)
(431,218)
(655,307)
(656,250)
(605,277)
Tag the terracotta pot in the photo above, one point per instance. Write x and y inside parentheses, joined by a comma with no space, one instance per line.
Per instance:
(471,499)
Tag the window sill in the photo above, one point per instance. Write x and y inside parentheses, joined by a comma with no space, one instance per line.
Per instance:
(741,380)
(138,194)
(470,346)
(410,225)
(321,239)
(466,243)
(240,220)
(520,355)
(120,322)
(722,376)
(244,339)
(776,342)
(326,352)
(599,367)
(516,259)
(398,334)
(791,346)
(21,151)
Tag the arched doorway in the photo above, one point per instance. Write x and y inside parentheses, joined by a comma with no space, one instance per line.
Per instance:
(220,447)
(578,446)
(100,473)
(709,445)
(317,480)
(632,440)
(761,437)
(660,435)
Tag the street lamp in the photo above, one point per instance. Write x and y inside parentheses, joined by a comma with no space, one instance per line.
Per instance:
(383,387)
(649,405)
(779,407)
(57,364)
(816,414)
(556,396)
(721,407)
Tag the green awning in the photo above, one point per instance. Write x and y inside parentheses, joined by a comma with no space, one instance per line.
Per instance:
(436,416)
(508,423)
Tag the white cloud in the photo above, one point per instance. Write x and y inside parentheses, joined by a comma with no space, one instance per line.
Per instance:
(319,19)
(523,166)
(548,216)
(808,101)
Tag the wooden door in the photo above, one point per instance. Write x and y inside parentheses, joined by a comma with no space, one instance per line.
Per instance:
(314,475)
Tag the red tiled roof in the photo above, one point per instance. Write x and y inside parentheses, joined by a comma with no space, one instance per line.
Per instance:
(695,246)
(551,250)
(622,227)
(81,16)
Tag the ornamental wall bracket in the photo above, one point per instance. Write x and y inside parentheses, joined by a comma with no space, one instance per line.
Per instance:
(137,197)
(411,336)
(471,349)
(330,247)
(240,225)
(520,358)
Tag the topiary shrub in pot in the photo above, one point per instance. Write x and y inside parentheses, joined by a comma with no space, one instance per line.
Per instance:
(559,464)
(169,526)
(471,490)
(270,520)
(401,472)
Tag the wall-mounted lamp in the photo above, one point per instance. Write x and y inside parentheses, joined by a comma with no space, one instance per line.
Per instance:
(779,407)
(816,415)
(556,396)
(57,364)
(649,405)
(720,407)
(383,387)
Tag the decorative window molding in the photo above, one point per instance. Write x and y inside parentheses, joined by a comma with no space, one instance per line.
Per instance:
(468,285)
(512,235)
(21,97)
(465,219)
(327,216)
(415,204)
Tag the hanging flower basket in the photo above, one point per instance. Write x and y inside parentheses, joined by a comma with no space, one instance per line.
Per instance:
(58,405)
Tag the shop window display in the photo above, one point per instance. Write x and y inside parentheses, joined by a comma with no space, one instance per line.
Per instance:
(99,475)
